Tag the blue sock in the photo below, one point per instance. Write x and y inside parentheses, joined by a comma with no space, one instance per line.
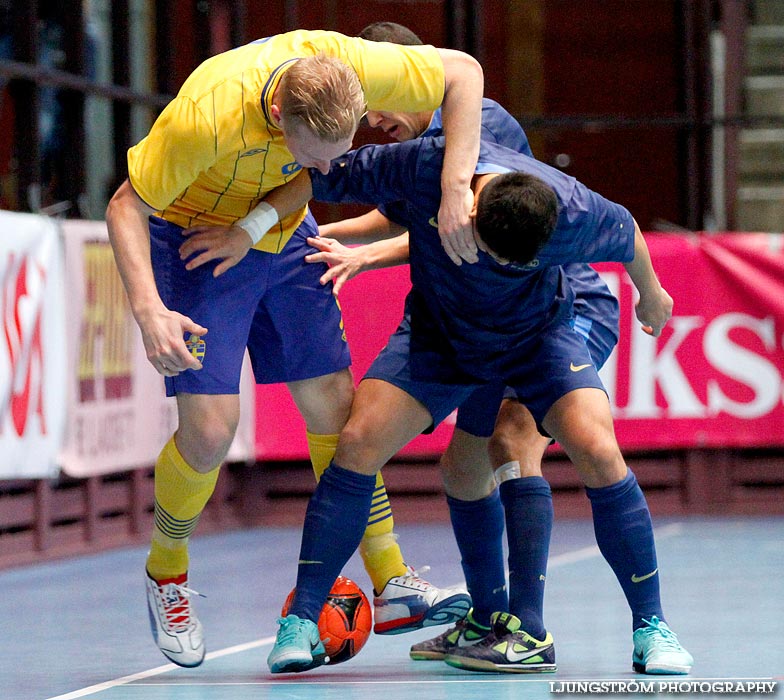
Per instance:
(334,524)
(624,533)
(479,531)
(528,503)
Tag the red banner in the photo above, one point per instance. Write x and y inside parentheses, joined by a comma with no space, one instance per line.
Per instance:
(713,378)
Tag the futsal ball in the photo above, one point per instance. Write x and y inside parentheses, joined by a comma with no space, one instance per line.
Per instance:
(345,620)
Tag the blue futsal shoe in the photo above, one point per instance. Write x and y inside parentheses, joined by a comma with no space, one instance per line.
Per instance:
(657,650)
(298,646)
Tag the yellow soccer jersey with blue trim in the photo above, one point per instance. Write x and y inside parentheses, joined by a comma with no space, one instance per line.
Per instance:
(214,151)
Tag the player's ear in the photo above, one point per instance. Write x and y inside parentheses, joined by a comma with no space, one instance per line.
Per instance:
(275,113)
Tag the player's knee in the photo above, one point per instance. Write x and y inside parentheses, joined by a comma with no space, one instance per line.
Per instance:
(206,444)
(358,447)
(324,402)
(599,460)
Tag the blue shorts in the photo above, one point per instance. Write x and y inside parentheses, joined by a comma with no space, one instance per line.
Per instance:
(596,320)
(554,363)
(273,304)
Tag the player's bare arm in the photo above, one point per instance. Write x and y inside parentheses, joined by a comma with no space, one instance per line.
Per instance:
(346,263)
(162,330)
(366,228)
(461,113)
(654,307)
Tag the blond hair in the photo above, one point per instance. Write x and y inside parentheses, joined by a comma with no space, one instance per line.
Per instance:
(324,95)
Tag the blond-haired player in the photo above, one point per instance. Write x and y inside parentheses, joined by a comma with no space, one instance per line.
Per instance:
(243,123)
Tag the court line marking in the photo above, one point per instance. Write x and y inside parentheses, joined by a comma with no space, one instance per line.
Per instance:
(663,532)
(482,679)
(158,670)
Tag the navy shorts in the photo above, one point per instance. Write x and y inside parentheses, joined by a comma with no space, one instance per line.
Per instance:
(596,319)
(270,303)
(554,363)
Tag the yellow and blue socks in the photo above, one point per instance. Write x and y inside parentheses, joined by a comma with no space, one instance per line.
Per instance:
(479,531)
(379,548)
(624,533)
(180,496)
(335,521)
(528,505)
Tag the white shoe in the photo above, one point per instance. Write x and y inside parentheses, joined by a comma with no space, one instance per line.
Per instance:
(175,627)
(410,603)
(658,651)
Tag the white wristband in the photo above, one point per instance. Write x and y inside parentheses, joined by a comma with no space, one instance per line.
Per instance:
(259,221)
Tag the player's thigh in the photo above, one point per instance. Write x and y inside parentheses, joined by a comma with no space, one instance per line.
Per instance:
(582,423)
(383,419)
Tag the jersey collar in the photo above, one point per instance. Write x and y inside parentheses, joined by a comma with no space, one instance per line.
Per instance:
(269,90)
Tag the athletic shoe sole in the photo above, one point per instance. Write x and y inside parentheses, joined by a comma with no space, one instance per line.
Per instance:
(489,667)
(447,612)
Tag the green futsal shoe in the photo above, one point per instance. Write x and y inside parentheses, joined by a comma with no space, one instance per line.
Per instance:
(465,633)
(508,649)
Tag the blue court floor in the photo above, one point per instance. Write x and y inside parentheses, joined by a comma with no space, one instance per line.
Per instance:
(78,628)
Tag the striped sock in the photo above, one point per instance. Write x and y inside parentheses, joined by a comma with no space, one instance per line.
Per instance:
(180,496)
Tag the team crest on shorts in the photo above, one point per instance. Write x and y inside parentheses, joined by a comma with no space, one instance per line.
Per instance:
(196,346)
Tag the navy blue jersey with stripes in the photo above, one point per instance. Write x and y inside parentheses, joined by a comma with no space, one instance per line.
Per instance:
(486,312)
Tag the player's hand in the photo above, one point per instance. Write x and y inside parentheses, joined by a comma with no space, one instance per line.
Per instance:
(653,311)
(455,227)
(344,263)
(230,244)
(163,334)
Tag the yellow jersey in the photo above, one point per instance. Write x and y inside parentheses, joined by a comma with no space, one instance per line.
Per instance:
(214,151)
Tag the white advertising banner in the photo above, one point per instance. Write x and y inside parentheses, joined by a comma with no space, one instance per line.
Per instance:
(118,416)
(32,346)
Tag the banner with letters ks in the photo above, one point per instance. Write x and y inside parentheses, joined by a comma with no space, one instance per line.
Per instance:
(713,378)
(32,346)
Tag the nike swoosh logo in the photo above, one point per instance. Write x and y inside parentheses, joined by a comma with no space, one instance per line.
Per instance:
(432,221)
(637,579)
(307,561)
(577,368)
(513,655)
(462,642)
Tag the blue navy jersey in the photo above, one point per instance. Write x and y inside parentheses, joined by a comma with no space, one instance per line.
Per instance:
(498,126)
(592,298)
(485,311)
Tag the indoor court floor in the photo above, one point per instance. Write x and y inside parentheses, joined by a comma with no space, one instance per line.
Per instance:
(78,628)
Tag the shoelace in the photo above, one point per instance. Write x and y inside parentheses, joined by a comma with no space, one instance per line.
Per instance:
(668,638)
(289,629)
(176,608)
(412,578)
